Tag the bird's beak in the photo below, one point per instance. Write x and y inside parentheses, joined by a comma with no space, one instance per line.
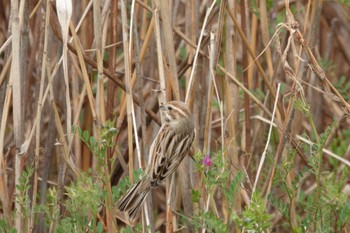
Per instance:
(162,107)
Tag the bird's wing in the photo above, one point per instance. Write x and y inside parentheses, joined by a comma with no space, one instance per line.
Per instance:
(158,162)
(168,151)
(176,155)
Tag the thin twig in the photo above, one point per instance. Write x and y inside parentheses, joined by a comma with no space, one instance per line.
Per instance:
(263,156)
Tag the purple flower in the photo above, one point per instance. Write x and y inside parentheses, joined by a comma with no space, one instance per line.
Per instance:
(207,162)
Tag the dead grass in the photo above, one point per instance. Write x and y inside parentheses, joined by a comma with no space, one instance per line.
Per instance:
(226,60)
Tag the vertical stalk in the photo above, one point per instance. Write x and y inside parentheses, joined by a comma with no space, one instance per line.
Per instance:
(38,115)
(3,174)
(169,46)
(128,90)
(231,97)
(16,83)
(246,83)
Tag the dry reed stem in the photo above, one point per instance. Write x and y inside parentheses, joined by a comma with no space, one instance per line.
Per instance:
(162,80)
(7,43)
(3,174)
(139,82)
(38,117)
(265,35)
(64,13)
(231,103)
(128,90)
(111,87)
(246,134)
(253,45)
(263,156)
(15,83)
(5,69)
(169,47)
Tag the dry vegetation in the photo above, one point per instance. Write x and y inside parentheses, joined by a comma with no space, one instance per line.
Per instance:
(239,65)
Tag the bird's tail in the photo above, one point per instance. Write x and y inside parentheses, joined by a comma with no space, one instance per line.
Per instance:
(133,199)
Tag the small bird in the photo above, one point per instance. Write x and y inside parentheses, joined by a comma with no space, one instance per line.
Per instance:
(172,143)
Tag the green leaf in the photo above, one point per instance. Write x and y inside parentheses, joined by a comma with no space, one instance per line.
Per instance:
(93,141)
(344,214)
(19,188)
(80,132)
(86,136)
(99,227)
(195,196)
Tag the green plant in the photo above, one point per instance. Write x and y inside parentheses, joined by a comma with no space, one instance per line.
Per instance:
(6,227)
(23,187)
(89,192)
(216,179)
(85,198)
(255,216)
(343,85)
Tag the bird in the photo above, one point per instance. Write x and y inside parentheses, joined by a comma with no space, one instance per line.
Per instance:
(173,141)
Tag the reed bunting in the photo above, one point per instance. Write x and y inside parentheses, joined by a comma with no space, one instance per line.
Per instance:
(172,143)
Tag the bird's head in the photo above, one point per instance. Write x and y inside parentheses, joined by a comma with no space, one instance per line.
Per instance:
(175,111)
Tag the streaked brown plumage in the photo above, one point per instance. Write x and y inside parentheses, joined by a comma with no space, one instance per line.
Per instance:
(173,141)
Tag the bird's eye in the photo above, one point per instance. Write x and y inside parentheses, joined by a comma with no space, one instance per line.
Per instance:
(170,108)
